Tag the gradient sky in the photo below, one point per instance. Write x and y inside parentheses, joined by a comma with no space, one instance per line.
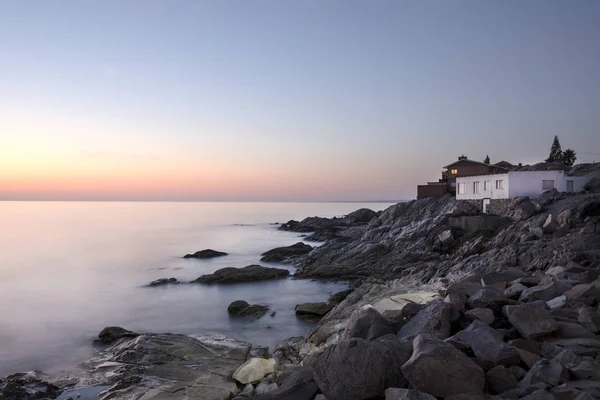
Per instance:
(286,100)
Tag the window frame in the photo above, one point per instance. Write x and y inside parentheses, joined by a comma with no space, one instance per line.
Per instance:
(487,186)
(546,183)
(454,171)
(461,188)
(476,187)
(499,184)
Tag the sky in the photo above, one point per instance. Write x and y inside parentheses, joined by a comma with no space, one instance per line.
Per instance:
(288,100)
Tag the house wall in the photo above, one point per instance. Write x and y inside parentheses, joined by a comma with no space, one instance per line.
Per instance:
(465,168)
(424,191)
(492,193)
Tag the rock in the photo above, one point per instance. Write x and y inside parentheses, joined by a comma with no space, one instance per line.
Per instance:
(557,271)
(457,301)
(586,369)
(524,210)
(564,218)
(517,372)
(546,371)
(486,344)
(397,307)
(253,370)
(286,254)
(539,395)
(111,334)
(27,386)
(241,308)
(265,388)
(208,253)
(251,273)
(527,344)
(406,394)
(587,293)
(163,281)
(528,358)
(446,238)
(506,275)
(438,368)
(572,330)
(338,297)
(500,379)
(366,323)
(531,320)
(557,302)
(544,292)
(488,297)
(589,318)
(591,387)
(340,371)
(312,309)
(484,315)
(550,226)
(514,290)
(468,288)
(433,319)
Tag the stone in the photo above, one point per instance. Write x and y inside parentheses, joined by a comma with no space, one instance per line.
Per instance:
(439,369)
(250,273)
(484,315)
(529,345)
(557,302)
(367,323)
(517,372)
(433,319)
(500,379)
(163,281)
(396,308)
(340,371)
(591,387)
(406,394)
(572,330)
(467,288)
(446,238)
(241,308)
(587,293)
(338,297)
(286,254)
(539,395)
(457,301)
(505,275)
(488,297)
(312,309)
(264,388)
(586,369)
(589,318)
(544,292)
(564,218)
(531,320)
(556,271)
(567,358)
(27,386)
(514,290)
(528,358)
(253,370)
(111,334)
(550,225)
(547,371)
(208,253)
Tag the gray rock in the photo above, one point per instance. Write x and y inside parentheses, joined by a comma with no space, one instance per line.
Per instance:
(505,275)
(111,334)
(163,281)
(313,309)
(591,387)
(251,273)
(484,315)
(406,394)
(438,368)
(588,293)
(208,253)
(367,323)
(544,292)
(557,302)
(488,297)
(446,238)
(557,271)
(573,330)
(457,301)
(241,308)
(539,395)
(589,318)
(338,297)
(253,370)
(500,379)
(340,371)
(531,320)
(514,290)
(27,386)
(550,225)
(550,372)
(588,368)
(286,254)
(433,319)
(529,345)
(467,288)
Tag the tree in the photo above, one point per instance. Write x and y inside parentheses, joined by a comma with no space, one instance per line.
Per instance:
(487,159)
(555,151)
(569,157)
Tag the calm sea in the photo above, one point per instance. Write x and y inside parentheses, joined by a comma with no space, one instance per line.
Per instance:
(68,269)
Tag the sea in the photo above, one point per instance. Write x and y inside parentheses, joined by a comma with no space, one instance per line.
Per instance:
(69,269)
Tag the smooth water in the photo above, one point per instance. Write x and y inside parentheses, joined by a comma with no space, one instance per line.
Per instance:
(68,269)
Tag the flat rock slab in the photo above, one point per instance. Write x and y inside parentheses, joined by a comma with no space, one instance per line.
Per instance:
(313,309)
(251,273)
(253,370)
(208,253)
(169,366)
(391,307)
(531,320)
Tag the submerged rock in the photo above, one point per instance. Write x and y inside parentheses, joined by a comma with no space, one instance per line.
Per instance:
(208,253)
(241,308)
(251,273)
(163,281)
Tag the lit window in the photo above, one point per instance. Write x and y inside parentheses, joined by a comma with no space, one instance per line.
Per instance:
(500,184)
(475,187)
(462,188)
(454,171)
(547,184)
(486,186)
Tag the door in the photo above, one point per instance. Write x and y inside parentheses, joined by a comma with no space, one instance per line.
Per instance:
(486,203)
(570,186)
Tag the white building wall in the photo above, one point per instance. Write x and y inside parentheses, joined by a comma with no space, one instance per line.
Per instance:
(492,193)
(529,183)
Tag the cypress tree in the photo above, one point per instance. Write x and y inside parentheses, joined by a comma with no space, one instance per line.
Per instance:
(555,151)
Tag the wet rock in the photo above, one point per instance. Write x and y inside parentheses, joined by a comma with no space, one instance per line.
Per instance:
(286,254)
(313,309)
(208,253)
(340,371)
(113,333)
(438,368)
(433,319)
(367,323)
(251,273)
(406,394)
(488,297)
(163,281)
(27,386)
(484,315)
(241,308)
(500,379)
(253,370)
(531,320)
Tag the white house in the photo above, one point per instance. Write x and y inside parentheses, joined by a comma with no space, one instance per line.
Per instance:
(516,183)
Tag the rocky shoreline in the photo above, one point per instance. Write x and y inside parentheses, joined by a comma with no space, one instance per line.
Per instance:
(446,303)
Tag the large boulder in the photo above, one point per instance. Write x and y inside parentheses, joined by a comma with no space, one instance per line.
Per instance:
(251,273)
(531,320)
(488,297)
(359,369)
(241,308)
(208,253)
(406,394)
(253,370)
(286,254)
(544,292)
(432,319)
(27,386)
(500,379)
(438,368)
(111,334)
(313,309)
(587,293)
(367,323)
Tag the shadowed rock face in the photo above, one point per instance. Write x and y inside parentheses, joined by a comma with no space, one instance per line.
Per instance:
(251,273)
(241,308)
(27,386)
(208,253)
(286,254)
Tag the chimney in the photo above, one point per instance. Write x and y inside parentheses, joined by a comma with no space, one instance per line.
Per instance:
(463,157)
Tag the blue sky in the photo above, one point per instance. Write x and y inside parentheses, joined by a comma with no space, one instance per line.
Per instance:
(286,100)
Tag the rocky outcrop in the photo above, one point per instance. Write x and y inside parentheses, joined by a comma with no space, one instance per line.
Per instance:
(241,308)
(251,273)
(111,334)
(208,253)
(27,386)
(163,282)
(253,370)
(312,309)
(288,254)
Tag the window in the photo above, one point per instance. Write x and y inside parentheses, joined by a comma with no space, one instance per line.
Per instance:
(486,186)
(500,184)
(570,186)
(462,188)
(475,187)
(454,171)
(453,184)
(547,184)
